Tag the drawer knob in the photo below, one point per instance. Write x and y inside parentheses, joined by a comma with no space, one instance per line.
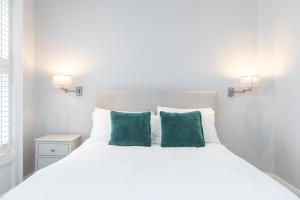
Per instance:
(52,150)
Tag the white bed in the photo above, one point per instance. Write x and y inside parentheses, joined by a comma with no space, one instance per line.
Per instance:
(100,171)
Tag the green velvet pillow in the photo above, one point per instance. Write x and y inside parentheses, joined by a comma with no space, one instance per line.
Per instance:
(130,129)
(181,129)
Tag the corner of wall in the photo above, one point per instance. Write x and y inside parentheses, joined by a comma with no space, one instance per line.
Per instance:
(29,69)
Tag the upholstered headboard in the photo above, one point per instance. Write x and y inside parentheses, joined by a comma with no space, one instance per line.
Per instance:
(133,100)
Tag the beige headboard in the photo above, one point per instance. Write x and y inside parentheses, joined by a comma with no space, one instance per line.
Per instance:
(133,100)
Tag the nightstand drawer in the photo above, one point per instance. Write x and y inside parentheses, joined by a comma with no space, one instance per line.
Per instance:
(45,161)
(52,149)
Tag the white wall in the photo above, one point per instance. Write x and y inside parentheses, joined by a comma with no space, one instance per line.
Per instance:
(6,179)
(286,62)
(143,44)
(266,94)
(28,85)
(279,46)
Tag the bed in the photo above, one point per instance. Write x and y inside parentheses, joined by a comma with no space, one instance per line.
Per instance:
(97,170)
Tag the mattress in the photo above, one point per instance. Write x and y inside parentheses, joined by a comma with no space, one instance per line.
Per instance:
(100,171)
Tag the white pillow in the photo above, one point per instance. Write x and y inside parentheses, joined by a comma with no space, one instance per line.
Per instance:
(208,122)
(101,129)
(155,129)
(101,125)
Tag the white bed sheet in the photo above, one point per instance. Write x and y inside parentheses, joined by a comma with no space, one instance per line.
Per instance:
(99,171)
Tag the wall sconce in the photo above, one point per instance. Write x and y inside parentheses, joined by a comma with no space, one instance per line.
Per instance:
(64,82)
(247,83)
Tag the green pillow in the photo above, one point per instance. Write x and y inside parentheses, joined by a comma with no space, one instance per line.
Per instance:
(130,129)
(181,129)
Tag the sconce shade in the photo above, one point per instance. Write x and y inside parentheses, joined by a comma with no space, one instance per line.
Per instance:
(62,81)
(246,82)
(256,82)
(250,82)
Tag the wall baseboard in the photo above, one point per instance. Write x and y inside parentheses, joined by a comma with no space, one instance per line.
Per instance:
(286,184)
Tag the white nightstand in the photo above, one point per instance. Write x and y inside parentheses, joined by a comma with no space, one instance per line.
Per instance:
(51,148)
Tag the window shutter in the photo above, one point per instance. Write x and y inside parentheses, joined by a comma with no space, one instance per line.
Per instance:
(4,29)
(4,76)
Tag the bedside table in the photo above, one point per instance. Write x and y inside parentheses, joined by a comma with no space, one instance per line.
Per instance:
(51,148)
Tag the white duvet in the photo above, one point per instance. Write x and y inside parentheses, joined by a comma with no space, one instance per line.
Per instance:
(99,171)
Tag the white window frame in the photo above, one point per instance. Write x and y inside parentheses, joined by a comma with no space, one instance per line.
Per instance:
(17,40)
(14,157)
